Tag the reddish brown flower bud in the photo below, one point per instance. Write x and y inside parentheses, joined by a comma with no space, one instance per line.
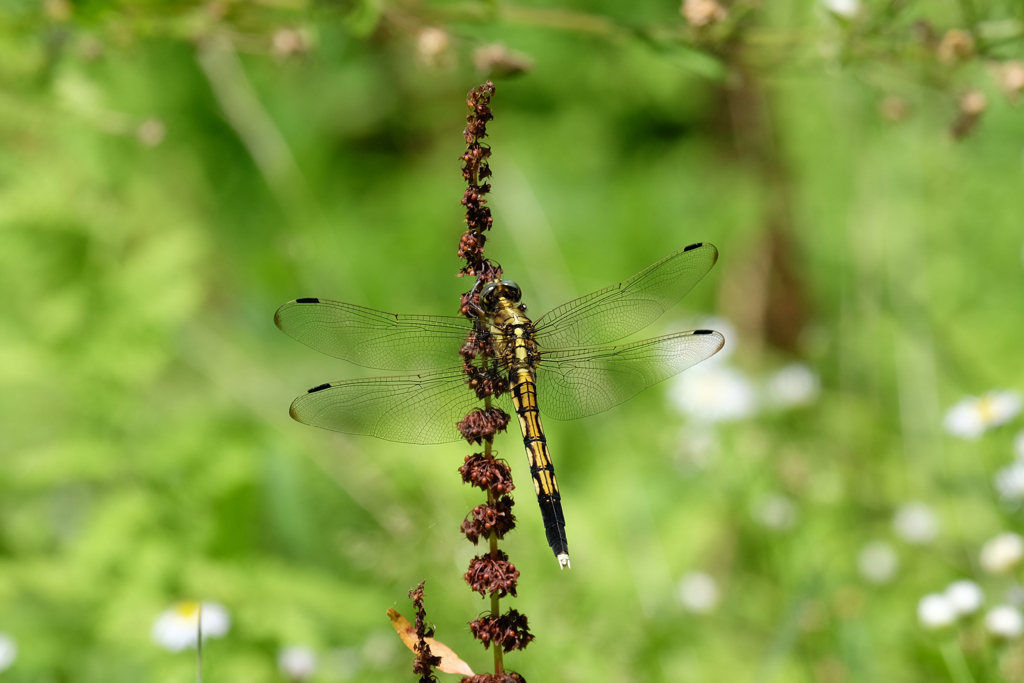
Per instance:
(471,247)
(509,631)
(470,303)
(488,271)
(481,425)
(479,345)
(487,519)
(486,381)
(507,677)
(488,575)
(487,474)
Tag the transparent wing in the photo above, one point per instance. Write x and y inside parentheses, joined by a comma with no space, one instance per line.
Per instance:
(372,338)
(421,409)
(620,310)
(574,383)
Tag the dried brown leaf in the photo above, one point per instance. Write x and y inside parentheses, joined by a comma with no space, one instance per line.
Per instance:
(450,662)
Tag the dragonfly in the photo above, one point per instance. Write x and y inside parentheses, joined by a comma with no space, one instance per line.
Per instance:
(558,365)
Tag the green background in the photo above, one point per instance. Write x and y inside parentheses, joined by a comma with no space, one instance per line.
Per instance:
(147,452)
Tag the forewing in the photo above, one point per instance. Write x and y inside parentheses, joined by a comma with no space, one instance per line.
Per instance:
(421,409)
(372,338)
(620,310)
(574,383)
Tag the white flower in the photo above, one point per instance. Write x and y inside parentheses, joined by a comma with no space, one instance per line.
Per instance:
(432,41)
(1018,445)
(792,386)
(969,418)
(935,611)
(965,596)
(844,8)
(1002,553)
(713,393)
(297,662)
(774,511)
(1009,481)
(698,592)
(8,651)
(702,12)
(916,523)
(175,629)
(434,48)
(151,132)
(1004,621)
(877,562)
(290,41)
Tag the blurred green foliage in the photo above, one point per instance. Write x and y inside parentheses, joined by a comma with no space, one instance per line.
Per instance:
(174,171)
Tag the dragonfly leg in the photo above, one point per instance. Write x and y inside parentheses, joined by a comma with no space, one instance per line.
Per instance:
(475,308)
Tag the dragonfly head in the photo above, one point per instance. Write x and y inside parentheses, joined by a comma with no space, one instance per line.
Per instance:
(493,292)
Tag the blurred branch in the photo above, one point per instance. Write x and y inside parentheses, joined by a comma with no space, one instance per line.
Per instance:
(29,111)
(260,136)
(540,252)
(953,656)
(199,644)
(565,20)
(284,4)
(970,14)
(246,114)
(559,19)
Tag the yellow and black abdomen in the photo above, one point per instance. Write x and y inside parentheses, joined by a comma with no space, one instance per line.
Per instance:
(524,396)
(519,354)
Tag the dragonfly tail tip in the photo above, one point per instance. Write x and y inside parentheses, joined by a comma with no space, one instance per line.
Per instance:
(563,560)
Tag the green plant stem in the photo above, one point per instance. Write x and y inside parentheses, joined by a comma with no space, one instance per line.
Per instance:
(956,663)
(499,667)
(493,539)
(969,14)
(199,645)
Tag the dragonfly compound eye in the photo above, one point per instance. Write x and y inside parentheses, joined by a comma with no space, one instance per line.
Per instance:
(510,290)
(487,295)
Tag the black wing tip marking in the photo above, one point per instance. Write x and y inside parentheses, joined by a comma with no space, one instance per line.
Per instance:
(279,319)
(319,387)
(712,333)
(705,246)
